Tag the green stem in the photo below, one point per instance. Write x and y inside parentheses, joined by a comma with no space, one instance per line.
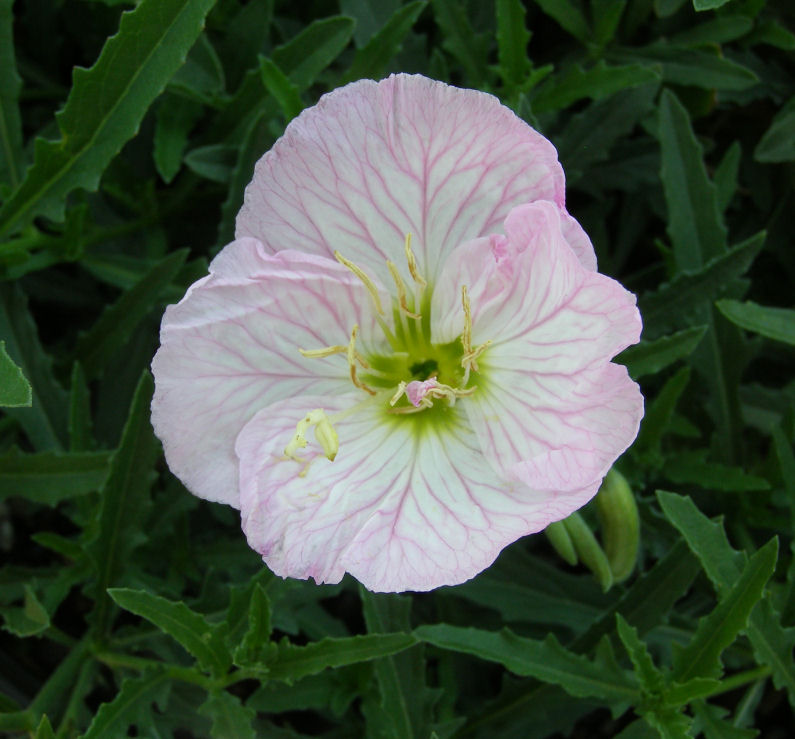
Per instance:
(740,679)
(176,672)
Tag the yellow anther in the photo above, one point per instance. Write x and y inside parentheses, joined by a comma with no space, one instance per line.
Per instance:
(328,351)
(466,336)
(411,259)
(325,434)
(401,289)
(368,283)
(401,388)
(352,355)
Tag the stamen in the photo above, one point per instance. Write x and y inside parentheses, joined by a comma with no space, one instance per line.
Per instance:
(411,259)
(328,351)
(351,351)
(325,433)
(368,283)
(466,336)
(401,288)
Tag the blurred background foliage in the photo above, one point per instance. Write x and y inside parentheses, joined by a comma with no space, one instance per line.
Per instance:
(128,132)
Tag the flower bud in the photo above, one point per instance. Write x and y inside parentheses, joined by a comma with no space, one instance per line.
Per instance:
(618,517)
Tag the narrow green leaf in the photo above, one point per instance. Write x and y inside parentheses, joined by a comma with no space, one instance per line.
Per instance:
(772,323)
(606,16)
(45,421)
(719,30)
(370,17)
(15,390)
(124,501)
(202,75)
(106,106)
(214,162)
(512,40)
(44,730)
(373,59)
(229,716)
(284,92)
(460,40)
(79,411)
(719,629)
(309,53)
(680,694)
(569,17)
(545,660)
(597,82)
(693,468)
(711,720)
(10,122)
(29,619)
(678,302)
(725,176)
(694,222)
(708,4)
(658,416)
(174,120)
(190,629)
(50,477)
(113,328)
(772,644)
(292,663)
(650,678)
(670,723)
(649,357)
(251,649)
(131,706)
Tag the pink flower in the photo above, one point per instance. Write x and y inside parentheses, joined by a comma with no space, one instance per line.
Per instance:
(400,408)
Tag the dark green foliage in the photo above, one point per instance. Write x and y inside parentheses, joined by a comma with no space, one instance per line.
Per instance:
(128,133)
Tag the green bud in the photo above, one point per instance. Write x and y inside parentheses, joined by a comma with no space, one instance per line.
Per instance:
(561,542)
(588,549)
(618,517)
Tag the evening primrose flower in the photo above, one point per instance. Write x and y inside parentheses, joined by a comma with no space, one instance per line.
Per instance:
(402,364)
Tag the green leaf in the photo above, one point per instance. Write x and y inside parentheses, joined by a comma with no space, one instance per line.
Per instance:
(545,660)
(708,4)
(113,328)
(214,162)
(201,76)
(45,421)
(772,644)
(725,176)
(710,719)
(470,49)
(229,716)
(106,106)
(690,67)
(772,323)
(650,678)
(252,649)
(694,221)
(309,53)
(658,416)
(15,390)
(131,706)
(692,468)
(569,17)
(50,477)
(44,730)
(190,629)
(79,411)
(597,82)
(373,59)
(679,301)
(292,662)
(31,619)
(606,16)
(649,357)
(124,501)
(175,118)
(284,92)
(719,629)
(512,40)
(10,85)
(719,30)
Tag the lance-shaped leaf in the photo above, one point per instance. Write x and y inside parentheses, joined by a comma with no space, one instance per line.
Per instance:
(229,716)
(719,629)
(106,106)
(291,662)
(778,143)
(772,643)
(512,40)
(124,500)
(284,92)
(772,323)
(192,630)
(460,39)
(10,85)
(649,357)
(49,477)
(15,390)
(252,648)
(649,677)
(545,660)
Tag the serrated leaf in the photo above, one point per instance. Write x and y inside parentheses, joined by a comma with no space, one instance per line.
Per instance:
(107,336)
(131,706)
(710,719)
(695,226)
(512,40)
(50,477)
(649,357)
(190,629)
(680,694)
(678,301)
(772,323)
(45,421)
(202,75)
(772,644)
(670,724)
(229,716)
(569,16)
(10,84)
(291,662)
(309,53)
(373,59)
(650,678)
(719,629)
(124,500)
(460,39)
(597,82)
(251,649)
(106,105)
(15,390)
(545,660)
(284,92)
(29,619)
